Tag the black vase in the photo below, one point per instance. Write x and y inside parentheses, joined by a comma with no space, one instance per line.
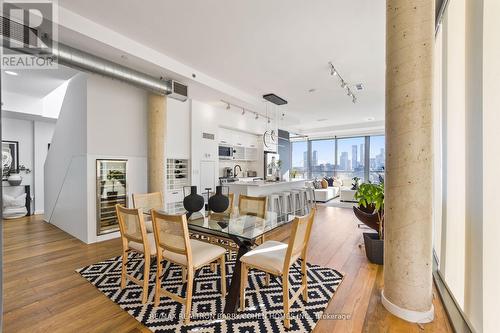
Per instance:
(193,202)
(218,202)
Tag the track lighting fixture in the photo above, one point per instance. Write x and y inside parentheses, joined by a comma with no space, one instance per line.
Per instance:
(244,110)
(343,83)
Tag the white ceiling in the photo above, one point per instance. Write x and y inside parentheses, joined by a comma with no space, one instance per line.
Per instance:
(262,46)
(36,83)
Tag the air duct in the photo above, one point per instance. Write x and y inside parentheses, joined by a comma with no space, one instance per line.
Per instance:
(74,58)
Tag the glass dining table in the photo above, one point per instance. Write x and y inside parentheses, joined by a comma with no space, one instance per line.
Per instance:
(244,231)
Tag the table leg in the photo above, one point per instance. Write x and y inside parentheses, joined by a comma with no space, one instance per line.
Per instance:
(233,297)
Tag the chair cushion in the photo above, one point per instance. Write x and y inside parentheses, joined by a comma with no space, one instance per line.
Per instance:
(139,247)
(203,253)
(269,256)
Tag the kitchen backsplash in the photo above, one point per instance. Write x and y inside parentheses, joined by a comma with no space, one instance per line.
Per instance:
(245,166)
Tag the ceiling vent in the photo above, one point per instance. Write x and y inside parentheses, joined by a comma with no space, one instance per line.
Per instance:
(274,99)
(178,90)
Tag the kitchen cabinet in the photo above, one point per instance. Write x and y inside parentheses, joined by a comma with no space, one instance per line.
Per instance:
(251,154)
(207,176)
(239,153)
(225,136)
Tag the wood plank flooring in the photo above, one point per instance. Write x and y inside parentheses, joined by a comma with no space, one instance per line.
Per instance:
(42,292)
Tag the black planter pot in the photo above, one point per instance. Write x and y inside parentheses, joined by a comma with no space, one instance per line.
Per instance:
(193,202)
(218,202)
(374,247)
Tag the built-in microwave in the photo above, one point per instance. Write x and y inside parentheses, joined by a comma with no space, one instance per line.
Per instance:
(225,152)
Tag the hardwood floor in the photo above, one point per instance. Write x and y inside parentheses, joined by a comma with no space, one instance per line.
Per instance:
(43,293)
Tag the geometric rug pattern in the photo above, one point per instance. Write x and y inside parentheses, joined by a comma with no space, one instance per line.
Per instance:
(264,305)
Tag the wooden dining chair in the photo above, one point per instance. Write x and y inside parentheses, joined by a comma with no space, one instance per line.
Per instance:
(135,239)
(148,202)
(173,244)
(277,258)
(255,206)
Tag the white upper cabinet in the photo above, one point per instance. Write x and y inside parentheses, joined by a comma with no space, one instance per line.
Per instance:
(225,136)
(178,129)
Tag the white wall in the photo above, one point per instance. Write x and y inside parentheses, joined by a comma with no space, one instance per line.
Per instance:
(42,133)
(116,129)
(66,166)
(454,153)
(178,143)
(16,102)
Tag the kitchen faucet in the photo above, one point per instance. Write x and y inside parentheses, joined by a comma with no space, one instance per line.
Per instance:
(234,173)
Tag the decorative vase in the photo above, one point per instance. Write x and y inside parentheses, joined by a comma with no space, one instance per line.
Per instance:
(218,202)
(193,202)
(15,179)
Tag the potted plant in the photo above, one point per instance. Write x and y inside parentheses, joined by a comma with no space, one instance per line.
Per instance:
(371,212)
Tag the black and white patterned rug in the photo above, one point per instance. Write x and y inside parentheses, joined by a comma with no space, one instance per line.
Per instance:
(263,312)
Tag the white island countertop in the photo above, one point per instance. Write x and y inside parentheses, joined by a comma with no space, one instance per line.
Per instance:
(260,188)
(268,183)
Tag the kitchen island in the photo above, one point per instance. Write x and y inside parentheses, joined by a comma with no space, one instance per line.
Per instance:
(259,188)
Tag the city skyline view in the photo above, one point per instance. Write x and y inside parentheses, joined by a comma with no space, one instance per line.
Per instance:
(350,160)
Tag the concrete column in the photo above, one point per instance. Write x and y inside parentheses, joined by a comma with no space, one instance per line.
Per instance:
(408,189)
(157,128)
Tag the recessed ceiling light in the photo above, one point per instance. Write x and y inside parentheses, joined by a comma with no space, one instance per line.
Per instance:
(360,86)
(11,73)
(370,119)
(322,119)
(312,90)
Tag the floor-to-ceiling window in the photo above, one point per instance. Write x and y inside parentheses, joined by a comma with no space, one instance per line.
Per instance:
(299,159)
(344,158)
(322,158)
(377,158)
(351,158)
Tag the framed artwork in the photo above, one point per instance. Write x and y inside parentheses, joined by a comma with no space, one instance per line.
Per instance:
(10,158)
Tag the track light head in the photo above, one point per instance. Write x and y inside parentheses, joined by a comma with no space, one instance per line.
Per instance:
(242,112)
(268,120)
(228,107)
(256,116)
(349,92)
(354,99)
(343,84)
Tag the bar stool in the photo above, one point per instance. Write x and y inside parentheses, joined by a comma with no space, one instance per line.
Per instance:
(286,199)
(297,200)
(311,195)
(275,203)
(303,197)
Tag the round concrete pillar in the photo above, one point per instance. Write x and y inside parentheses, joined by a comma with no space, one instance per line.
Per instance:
(408,188)
(157,128)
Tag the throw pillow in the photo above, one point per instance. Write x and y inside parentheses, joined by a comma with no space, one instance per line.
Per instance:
(324,183)
(330,181)
(317,184)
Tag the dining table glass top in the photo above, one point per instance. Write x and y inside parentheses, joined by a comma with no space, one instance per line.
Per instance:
(245,227)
